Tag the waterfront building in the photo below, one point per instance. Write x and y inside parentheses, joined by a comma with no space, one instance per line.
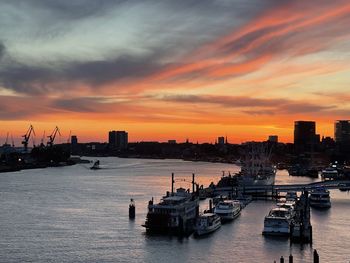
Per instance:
(305,137)
(172,141)
(118,139)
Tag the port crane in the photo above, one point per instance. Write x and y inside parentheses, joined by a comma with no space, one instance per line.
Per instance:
(26,137)
(53,136)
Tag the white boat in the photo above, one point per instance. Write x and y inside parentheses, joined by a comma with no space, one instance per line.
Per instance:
(207,223)
(290,205)
(320,198)
(277,222)
(228,209)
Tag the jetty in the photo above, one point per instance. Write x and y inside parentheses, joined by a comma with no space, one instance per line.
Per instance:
(274,191)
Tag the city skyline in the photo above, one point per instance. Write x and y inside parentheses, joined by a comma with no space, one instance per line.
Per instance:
(174,70)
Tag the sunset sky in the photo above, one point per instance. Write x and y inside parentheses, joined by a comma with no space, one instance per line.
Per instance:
(168,69)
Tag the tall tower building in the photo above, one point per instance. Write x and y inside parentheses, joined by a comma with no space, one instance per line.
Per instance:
(342,131)
(118,139)
(305,137)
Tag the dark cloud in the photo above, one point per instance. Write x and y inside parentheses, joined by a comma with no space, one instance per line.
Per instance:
(256,106)
(83,105)
(40,80)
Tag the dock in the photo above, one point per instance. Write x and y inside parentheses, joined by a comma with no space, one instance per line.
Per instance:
(274,191)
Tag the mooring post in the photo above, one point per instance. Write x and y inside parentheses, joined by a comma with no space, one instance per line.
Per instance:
(172,183)
(210,205)
(281,259)
(316,257)
(193,183)
(290,258)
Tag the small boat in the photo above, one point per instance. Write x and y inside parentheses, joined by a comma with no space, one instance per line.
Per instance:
(207,223)
(96,165)
(277,222)
(228,209)
(320,198)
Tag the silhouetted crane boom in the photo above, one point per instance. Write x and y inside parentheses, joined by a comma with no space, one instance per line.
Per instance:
(53,136)
(26,137)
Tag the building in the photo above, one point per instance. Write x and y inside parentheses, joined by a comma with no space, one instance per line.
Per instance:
(74,140)
(342,131)
(118,139)
(172,141)
(305,137)
(221,140)
(273,138)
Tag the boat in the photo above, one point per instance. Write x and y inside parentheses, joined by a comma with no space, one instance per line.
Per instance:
(96,165)
(256,168)
(330,173)
(320,198)
(344,187)
(176,212)
(228,209)
(277,222)
(207,223)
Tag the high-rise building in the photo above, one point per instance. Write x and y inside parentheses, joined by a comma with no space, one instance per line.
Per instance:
(273,138)
(305,137)
(342,131)
(221,140)
(74,140)
(118,139)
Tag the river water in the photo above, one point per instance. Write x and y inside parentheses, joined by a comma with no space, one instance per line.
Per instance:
(74,214)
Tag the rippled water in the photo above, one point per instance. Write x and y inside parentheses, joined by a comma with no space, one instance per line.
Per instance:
(73,214)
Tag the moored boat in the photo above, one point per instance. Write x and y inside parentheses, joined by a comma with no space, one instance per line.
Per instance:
(228,209)
(207,223)
(176,213)
(277,222)
(320,198)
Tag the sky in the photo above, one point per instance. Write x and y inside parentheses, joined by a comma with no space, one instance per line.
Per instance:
(164,69)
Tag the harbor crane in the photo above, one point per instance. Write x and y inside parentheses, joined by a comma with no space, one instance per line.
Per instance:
(53,136)
(26,137)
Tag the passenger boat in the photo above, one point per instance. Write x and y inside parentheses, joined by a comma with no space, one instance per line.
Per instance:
(228,209)
(320,198)
(207,223)
(277,222)
(176,213)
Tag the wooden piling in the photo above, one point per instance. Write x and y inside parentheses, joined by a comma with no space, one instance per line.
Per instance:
(290,258)
(316,257)
(282,259)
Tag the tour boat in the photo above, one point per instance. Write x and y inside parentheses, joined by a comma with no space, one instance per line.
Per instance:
(207,223)
(277,222)
(320,198)
(228,209)
(176,212)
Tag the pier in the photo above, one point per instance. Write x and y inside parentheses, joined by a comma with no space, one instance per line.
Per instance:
(274,191)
